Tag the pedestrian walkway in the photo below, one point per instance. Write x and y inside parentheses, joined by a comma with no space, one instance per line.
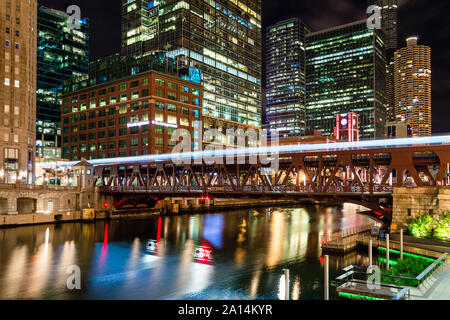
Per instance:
(435,288)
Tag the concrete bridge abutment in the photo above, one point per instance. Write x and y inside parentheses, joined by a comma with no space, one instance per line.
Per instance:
(411,203)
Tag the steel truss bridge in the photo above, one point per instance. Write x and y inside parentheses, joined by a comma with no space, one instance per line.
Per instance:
(358,172)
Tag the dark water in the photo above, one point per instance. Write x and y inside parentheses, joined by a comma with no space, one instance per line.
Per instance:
(234,255)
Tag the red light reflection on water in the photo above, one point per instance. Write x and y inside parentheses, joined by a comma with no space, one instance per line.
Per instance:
(105,244)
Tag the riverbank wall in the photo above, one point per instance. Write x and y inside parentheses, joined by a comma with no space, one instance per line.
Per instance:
(92,215)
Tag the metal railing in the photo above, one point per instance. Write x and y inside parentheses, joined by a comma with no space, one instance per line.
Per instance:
(436,266)
(303,190)
(352,271)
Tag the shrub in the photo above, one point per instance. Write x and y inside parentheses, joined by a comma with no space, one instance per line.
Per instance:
(422,227)
(408,267)
(442,230)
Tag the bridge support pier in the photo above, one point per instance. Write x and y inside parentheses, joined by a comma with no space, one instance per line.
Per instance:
(12,206)
(411,203)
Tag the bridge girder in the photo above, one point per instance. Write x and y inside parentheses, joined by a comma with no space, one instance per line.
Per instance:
(363,175)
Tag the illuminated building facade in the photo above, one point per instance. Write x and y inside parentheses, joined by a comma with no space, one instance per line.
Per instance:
(18,23)
(389,23)
(346,72)
(62,53)
(285,78)
(389,20)
(220,39)
(413,86)
(390,89)
(131,116)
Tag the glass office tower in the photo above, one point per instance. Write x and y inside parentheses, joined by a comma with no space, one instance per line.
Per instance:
(220,39)
(62,53)
(346,72)
(285,78)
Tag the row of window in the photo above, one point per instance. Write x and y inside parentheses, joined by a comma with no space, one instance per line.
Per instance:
(8,82)
(123,154)
(8,19)
(134,84)
(8,31)
(122,132)
(159,121)
(124,97)
(8,43)
(121,144)
(135,107)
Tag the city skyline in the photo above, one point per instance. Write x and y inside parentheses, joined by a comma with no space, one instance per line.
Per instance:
(203,150)
(416,17)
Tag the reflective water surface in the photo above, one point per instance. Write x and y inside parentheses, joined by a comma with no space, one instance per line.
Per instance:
(230,255)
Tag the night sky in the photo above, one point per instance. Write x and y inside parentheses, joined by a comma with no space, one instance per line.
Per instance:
(424,18)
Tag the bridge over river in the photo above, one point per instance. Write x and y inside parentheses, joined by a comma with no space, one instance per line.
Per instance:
(362,172)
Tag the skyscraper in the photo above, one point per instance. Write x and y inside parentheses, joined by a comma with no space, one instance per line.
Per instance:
(221,39)
(389,23)
(389,13)
(413,86)
(18,23)
(285,78)
(62,53)
(346,72)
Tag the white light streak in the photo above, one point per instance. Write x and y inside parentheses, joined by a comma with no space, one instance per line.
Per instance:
(305,148)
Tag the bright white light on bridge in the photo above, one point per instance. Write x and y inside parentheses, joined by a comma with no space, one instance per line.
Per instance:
(338,146)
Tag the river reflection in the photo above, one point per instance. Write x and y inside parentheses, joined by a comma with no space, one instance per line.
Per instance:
(234,255)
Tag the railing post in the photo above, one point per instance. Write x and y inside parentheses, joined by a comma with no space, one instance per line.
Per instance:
(401,244)
(326,282)
(387,250)
(286,281)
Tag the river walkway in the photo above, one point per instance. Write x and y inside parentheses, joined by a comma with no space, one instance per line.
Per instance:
(435,288)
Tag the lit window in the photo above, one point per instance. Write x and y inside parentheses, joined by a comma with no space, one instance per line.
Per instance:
(17,83)
(159,117)
(172,119)
(7,82)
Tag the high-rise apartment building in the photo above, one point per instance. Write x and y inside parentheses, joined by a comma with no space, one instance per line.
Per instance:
(413,86)
(389,23)
(221,39)
(62,53)
(346,72)
(18,29)
(285,78)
